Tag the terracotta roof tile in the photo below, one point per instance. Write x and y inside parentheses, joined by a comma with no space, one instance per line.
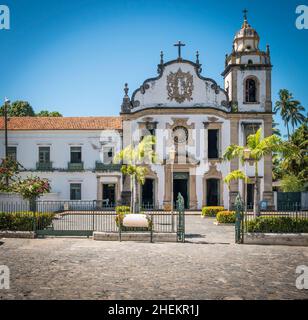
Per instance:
(62,123)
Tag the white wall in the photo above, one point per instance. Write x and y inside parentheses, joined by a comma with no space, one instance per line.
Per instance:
(157,95)
(28,143)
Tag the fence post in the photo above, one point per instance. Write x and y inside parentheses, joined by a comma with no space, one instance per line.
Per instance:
(181,218)
(239,234)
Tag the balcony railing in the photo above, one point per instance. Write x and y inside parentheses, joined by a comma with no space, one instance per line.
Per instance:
(44,166)
(99,166)
(72,166)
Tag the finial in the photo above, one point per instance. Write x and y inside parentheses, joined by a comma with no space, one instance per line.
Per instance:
(267,49)
(161,57)
(197,57)
(126,89)
(179,45)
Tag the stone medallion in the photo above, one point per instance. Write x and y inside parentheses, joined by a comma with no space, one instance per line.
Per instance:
(180,86)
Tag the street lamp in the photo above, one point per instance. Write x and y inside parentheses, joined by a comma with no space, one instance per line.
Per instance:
(5,111)
(246,155)
(172,153)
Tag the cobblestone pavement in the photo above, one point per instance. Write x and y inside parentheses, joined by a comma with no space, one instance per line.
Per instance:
(208,266)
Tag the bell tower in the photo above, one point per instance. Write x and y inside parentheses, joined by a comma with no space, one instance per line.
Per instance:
(247,74)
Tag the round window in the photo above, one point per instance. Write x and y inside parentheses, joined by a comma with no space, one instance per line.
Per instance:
(180,134)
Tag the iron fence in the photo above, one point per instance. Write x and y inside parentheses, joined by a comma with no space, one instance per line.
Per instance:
(289,219)
(69,218)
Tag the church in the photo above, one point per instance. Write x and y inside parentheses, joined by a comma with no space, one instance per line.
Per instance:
(193,119)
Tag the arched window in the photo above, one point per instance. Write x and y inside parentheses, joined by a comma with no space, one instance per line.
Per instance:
(250,61)
(251,90)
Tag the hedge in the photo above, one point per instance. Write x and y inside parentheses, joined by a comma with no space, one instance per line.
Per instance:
(24,220)
(211,211)
(278,225)
(226,216)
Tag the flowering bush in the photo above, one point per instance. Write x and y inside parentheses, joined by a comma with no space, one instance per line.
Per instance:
(121,211)
(32,187)
(226,216)
(211,211)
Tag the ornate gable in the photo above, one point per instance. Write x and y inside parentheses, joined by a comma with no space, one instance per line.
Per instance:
(179,85)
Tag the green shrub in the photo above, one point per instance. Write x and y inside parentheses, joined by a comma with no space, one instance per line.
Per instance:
(226,216)
(278,225)
(211,211)
(121,211)
(24,221)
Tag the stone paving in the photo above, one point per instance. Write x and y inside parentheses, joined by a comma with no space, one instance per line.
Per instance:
(208,266)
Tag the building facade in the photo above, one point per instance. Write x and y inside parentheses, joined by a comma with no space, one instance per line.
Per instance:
(192,118)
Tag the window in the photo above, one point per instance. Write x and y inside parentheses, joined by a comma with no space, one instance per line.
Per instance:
(251,90)
(250,61)
(213,143)
(108,153)
(75,191)
(180,134)
(75,154)
(44,154)
(250,128)
(12,153)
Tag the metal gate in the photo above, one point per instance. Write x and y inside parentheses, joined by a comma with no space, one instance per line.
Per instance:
(69,218)
(287,200)
(82,218)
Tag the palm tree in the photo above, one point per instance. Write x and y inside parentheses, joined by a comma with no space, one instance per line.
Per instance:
(134,159)
(290,109)
(295,114)
(235,175)
(256,149)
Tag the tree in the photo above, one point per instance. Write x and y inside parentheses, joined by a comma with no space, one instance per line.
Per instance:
(295,114)
(290,109)
(235,175)
(257,149)
(295,156)
(46,113)
(30,188)
(135,160)
(276,130)
(276,158)
(291,183)
(19,109)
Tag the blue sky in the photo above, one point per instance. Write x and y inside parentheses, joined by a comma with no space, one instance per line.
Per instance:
(75,56)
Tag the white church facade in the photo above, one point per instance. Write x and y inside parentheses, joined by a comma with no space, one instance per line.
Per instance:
(191,118)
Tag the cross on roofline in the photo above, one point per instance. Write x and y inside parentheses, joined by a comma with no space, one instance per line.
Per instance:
(245,11)
(179,45)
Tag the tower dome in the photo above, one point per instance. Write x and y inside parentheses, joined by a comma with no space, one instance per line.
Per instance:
(247,38)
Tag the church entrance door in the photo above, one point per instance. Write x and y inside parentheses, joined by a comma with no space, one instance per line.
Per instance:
(109,194)
(212,192)
(148,194)
(180,185)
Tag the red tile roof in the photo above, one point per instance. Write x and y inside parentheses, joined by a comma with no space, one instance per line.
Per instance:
(62,123)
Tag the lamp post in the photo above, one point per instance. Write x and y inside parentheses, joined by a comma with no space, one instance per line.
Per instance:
(246,158)
(172,157)
(5,111)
